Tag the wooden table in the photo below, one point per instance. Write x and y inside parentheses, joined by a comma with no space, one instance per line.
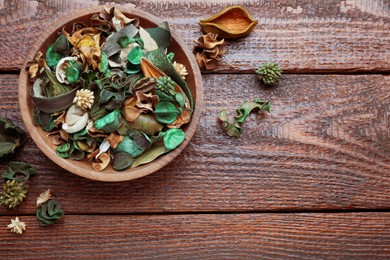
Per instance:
(310,180)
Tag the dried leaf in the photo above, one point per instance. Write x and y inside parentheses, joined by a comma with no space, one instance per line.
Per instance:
(231,22)
(104,159)
(109,123)
(166,112)
(122,161)
(173,138)
(145,122)
(15,169)
(155,151)
(114,139)
(11,137)
(43,197)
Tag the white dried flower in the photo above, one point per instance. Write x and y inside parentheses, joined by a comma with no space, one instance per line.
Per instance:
(84,99)
(17,226)
(180,69)
(43,197)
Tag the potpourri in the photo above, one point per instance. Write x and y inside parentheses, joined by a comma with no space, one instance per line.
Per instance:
(109,91)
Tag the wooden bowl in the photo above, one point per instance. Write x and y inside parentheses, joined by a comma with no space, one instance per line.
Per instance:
(84,168)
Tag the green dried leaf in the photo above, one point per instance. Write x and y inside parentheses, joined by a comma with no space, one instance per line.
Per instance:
(166,112)
(135,55)
(234,129)
(122,161)
(45,120)
(103,63)
(19,171)
(111,100)
(140,139)
(11,136)
(109,123)
(61,45)
(180,99)
(49,212)
(124,41)
(150,155)
(52,57)
(170,56)
(75,153)
(129,146)
(144,122)
(173,138)
(247,107)
(63,150)
(73,71)
(231,129)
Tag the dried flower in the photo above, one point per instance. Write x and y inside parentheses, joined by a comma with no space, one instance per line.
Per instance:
(49,212)
(13,193)
(43,197)
(270,73)
(209,51)
(165,84)
(181,69)
(17,226)
(84,99)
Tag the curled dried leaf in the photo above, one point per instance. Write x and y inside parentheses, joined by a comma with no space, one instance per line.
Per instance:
(103,161)
(114,139)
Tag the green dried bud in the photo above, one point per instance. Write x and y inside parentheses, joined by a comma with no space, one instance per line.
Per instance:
(166,85)
(13,193)
(270,73)
(49,212)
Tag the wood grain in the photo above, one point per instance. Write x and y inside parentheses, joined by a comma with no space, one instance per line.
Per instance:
(325,145)
(303,36)
(233,236)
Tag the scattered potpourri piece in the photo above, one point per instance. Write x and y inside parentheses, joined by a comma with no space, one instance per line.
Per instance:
(231,22)
(13,193)
(234,129)
(270,73)
(17,226)
(209,50)
(43,197)
(111,93)
(19,171)
(49,212)
(11,137)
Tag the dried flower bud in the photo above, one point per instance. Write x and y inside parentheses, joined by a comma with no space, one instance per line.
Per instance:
(13,193)
(181,69)
(17,226)
(270,73)
(165,84)
(84,99)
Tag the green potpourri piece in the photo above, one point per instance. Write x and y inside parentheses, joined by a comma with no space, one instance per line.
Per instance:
(13,193)
(49,212)
(11,137)
(19,171)
(234,129)
(270,73)
(166,112)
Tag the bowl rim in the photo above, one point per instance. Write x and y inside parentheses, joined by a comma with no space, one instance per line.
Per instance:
(108,175)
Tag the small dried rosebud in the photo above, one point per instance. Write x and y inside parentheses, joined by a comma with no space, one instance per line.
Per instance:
(181,69)
(270,73)
(84,99)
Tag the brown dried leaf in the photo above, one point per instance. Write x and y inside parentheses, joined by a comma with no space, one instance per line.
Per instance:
(114,139)
(103,161)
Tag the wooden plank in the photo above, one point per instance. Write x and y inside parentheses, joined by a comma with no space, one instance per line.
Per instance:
(303,36)
(325,145)
(232,236)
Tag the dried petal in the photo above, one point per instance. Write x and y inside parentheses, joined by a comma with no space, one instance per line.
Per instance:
(43,197)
